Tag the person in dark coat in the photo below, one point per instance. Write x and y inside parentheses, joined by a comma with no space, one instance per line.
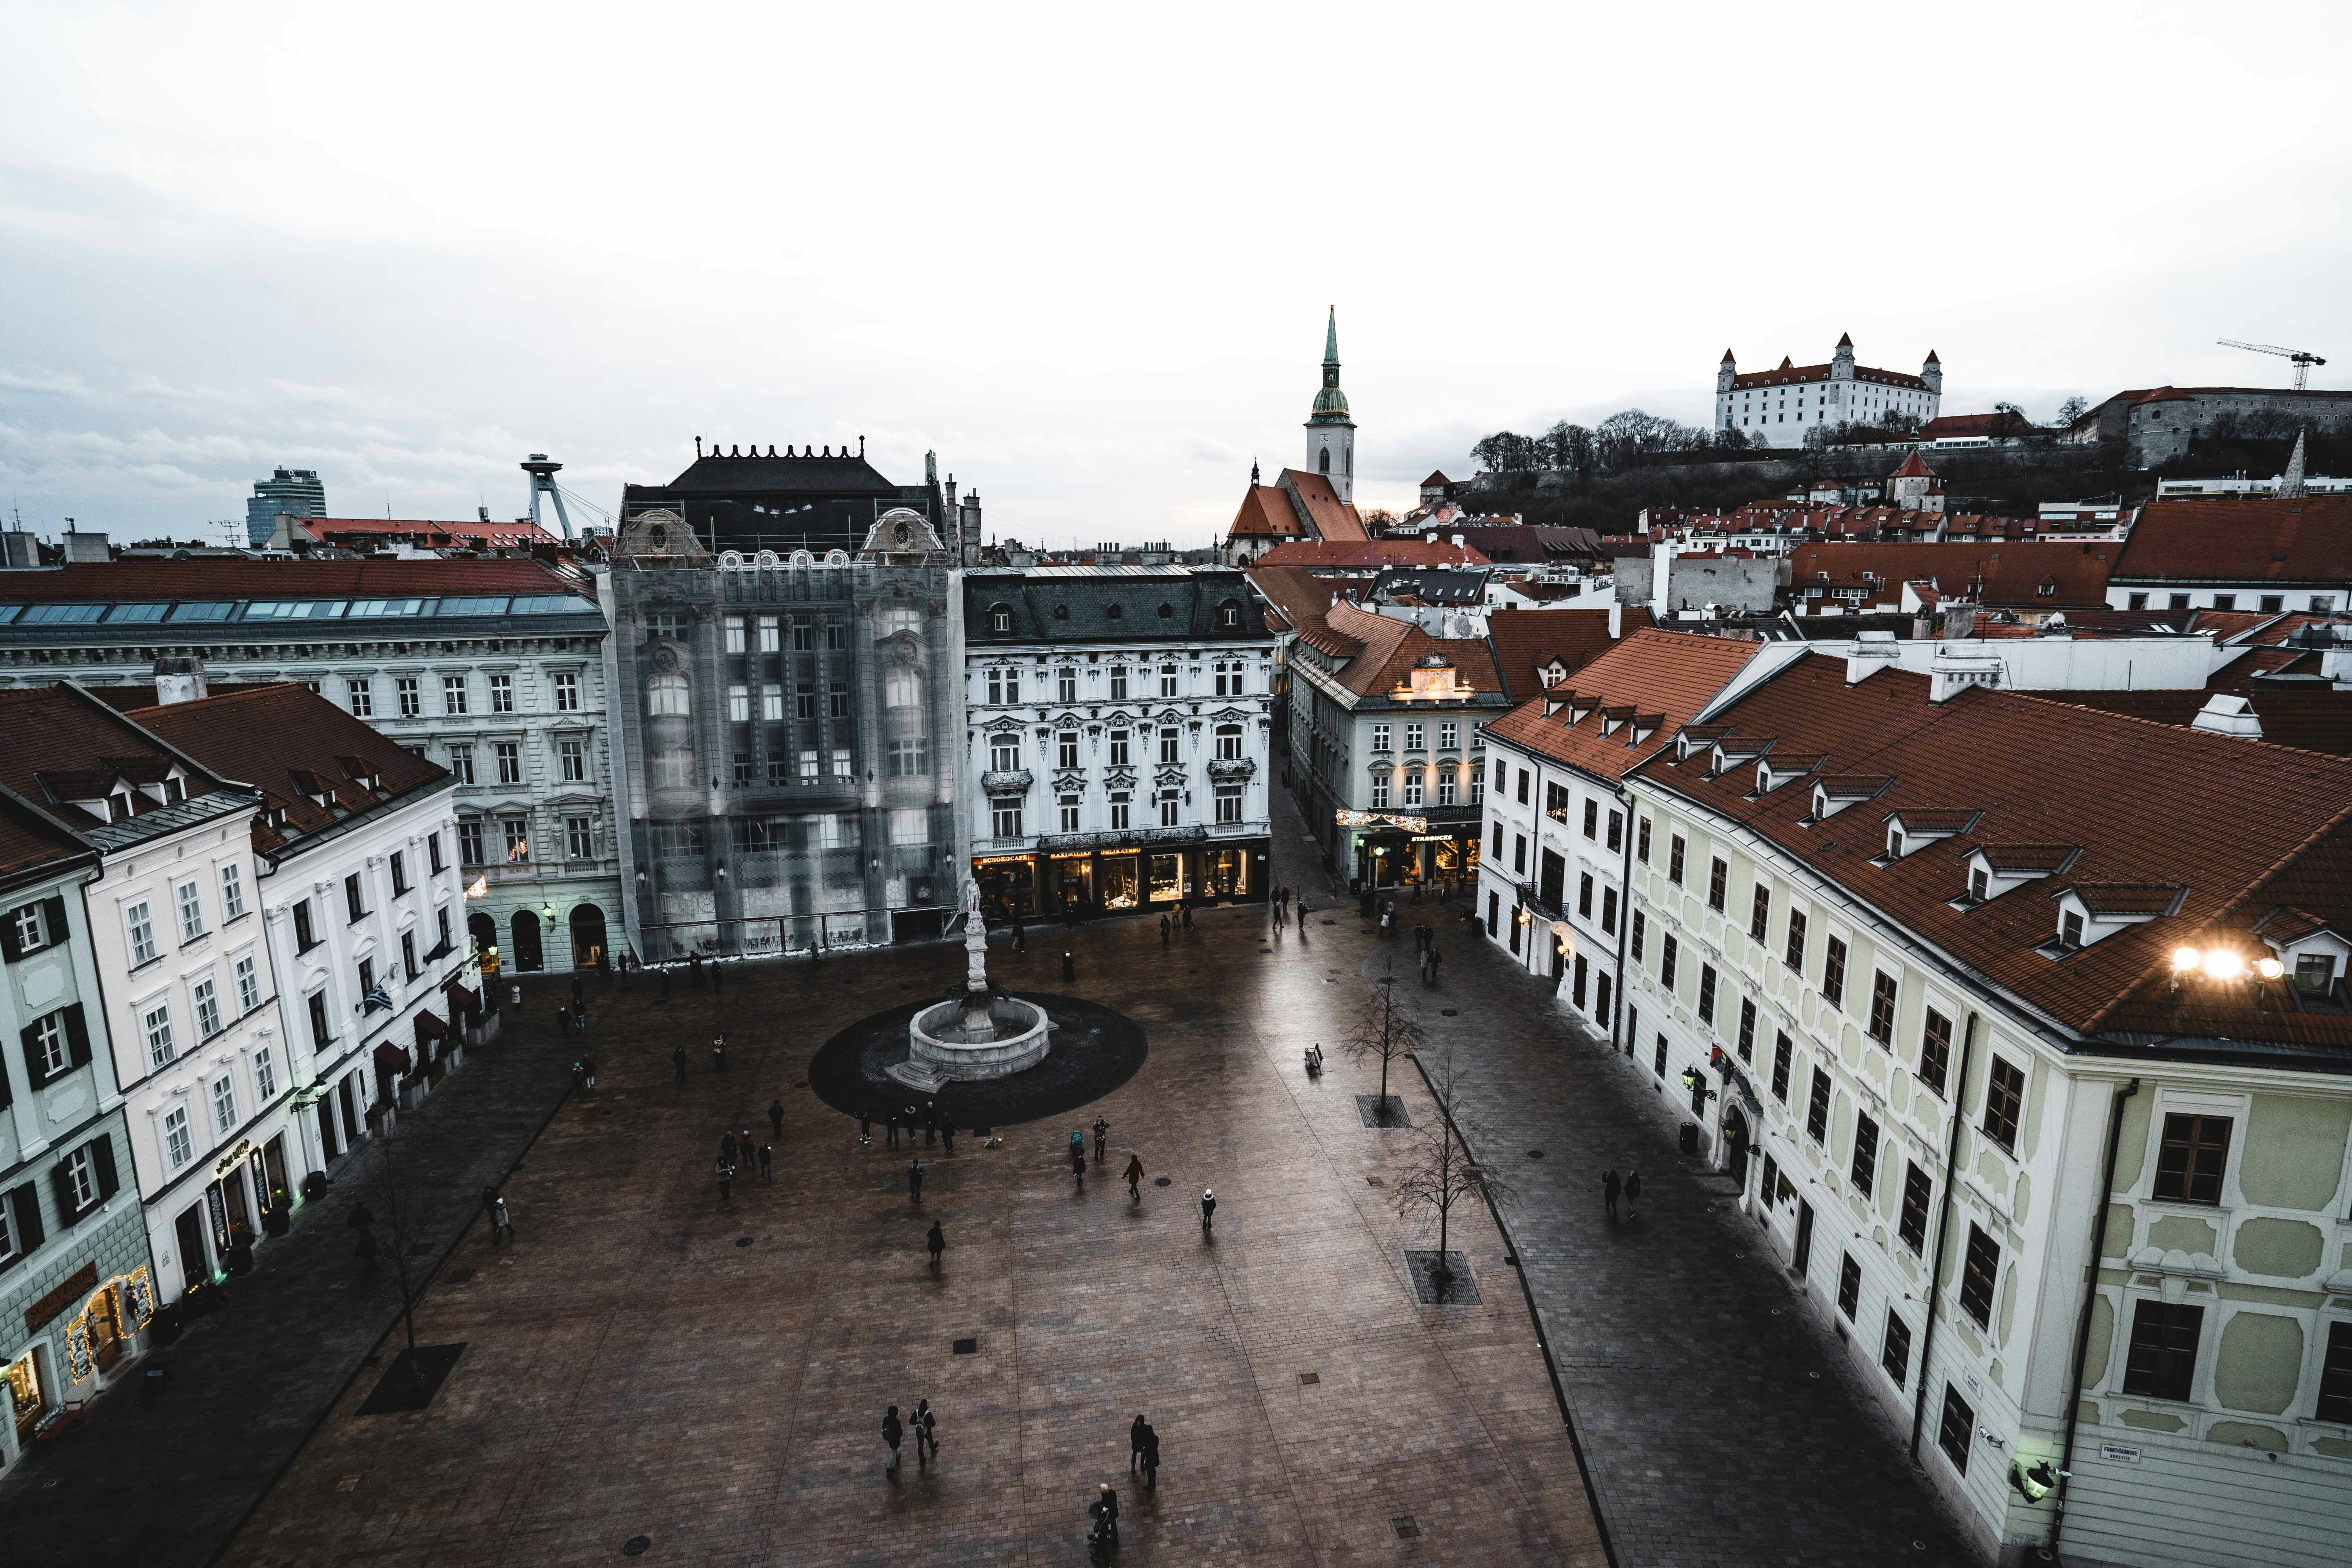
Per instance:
(1164,934)
(1106,1509)
(727,1148)
(767,1162)
(678,1061)
(776,1118)
(893,1432)
(866,1126)
(694,970)
(1102,1132)
(717,974)
(937,1240)
(1208,1210)
(725,1172)
(489,1200)
(1610,1187)
(926,1426)
(1633,1193)
(890,1127)
(719,1053)
(1187,908)
(1020,939)
(1069,965)
(930,1123)
(1135,1432)
(915,1179)
(946,1136)
(1151,1458)
(579,990)
(1078,1158)
(1135,1185)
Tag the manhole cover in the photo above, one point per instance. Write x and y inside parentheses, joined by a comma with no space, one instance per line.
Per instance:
(1164,1181)
(1535,1154)
(636,1545)
(966,1347)
(742,1241)
(1406,1528)
(1450,1011)
(1307,1379)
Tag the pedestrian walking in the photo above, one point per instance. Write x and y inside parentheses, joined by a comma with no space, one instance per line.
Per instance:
(500,1222)
(1135,1431)
(1610,1187)
(719,1053)
(890,1127)
(490,1200)
(727,1148)
(603,967)
(664,985)
(725,1172)
(744,1139)
(1435,959)
(1302,917)
(937,1240)
(767,1162)
(678,1061)
(514,996)
(1208,1211)
(1424,967)
(1164,934)
(926,1432)
(588,1063)
(1102,1135)
(1633,1193)
(563,1017)
(1187,908)
(1135,1181)
(1106,1509)
(865,1127)
(1151,1458)
(930,1123)
(776,1118)
(893,1432)
(1079,1159)
(915,1179)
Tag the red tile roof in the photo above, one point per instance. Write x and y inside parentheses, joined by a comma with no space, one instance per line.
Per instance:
(2012,575)
(280,738)
(55,741)
(2241,539)
(1370,554)
(1391,648)
(1334,519)
(1669,674)
(1914,467)
(1265,513)
(2245,827)
(2308,716)
(1527,641)
(365,532)
(1788,374)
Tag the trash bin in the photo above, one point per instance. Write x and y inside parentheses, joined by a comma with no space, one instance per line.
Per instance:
(1690,1137)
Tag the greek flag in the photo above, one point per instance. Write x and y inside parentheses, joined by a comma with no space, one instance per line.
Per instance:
(380,997)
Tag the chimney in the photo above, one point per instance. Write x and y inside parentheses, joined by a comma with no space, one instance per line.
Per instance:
(483,512)
(1616,620)
(1872,652)
(179,681)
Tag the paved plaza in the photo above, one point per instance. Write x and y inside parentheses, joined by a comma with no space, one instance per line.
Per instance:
(649,1364)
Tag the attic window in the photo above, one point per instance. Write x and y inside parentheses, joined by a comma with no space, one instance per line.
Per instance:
(1229,614)
(1061,612)
(1895,843)
(118,805)
(2070,931)
(1167,612)
(1979,884)
(1111,612)
(2047,590)
(1000,619)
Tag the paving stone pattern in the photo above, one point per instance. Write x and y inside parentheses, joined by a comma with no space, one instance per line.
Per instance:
(1708,1436)
(633,1370)
(166,1481)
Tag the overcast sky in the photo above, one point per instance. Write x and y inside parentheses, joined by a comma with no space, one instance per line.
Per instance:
(1084,253)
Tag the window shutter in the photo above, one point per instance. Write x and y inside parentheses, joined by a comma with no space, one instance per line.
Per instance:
(25,1201)
(8,937)
(30,1038)
(77,1036)
(64,1184)
(7,1092)
(102,1152)
(53,920)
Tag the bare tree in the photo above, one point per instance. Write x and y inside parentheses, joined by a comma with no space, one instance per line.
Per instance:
(1378,521)
(1443,1172)
(1385,1030)
(2074,408)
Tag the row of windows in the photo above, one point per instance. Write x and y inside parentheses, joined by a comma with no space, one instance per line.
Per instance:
(765,634)
(456,694)
(1449,737)
(188,908)
(82,1179)
(1005,814)
(2269,604)
(1410,791)
(513,842)
(1228,679)
(293,610)
(506,762)
(1004,748)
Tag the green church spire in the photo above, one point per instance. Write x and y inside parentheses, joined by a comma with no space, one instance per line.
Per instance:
(1330,403)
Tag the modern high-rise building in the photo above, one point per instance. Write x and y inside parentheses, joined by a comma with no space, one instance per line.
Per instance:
(788,716)
(295,491)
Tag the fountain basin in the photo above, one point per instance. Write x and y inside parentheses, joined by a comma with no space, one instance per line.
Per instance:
(941,1048)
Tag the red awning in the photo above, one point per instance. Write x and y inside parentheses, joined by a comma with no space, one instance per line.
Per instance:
(428,1026)
(461,998)
(390,1059)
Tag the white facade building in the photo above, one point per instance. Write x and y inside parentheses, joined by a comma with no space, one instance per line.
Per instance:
(1119,733)
(1779,405)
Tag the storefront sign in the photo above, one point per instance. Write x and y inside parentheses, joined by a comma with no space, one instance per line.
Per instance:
(1377,818)
(2122,1453)
(1433,839)
(77,1285)
(234,1155)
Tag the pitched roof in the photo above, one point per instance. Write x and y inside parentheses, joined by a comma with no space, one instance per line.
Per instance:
(1293,592)
(713,474)
(2012,575)
(1107,603)
(520,533)
(1436,477)
(1370,554)
(288,742)
(2289,540)
(1670,675)
(1526,543)
(1265,513)
(1788,374)
(2239,824)
(58,746)
(1914,467)
(1527,641)
(2312,716)
(1391,648)
(1332,518)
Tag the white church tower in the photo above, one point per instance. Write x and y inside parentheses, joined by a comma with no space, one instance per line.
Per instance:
(1330,434)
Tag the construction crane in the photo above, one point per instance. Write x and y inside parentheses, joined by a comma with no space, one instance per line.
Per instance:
(2304,359)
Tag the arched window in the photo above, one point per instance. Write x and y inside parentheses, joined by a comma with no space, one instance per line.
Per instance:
(667,694)
(1000,617)
(903,689)
(1323,459)
(1229,742)
(1229,614)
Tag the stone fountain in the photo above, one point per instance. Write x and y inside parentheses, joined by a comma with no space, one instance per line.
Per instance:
(978,1035)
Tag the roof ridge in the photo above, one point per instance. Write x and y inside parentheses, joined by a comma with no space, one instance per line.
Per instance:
(2160,724)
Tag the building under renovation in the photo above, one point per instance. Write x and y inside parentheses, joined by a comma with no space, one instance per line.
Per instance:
(790,721)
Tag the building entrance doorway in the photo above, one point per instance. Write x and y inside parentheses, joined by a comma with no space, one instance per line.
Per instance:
(1734,1145)
(1802,1263)
(102,1321)
(188,1235)
(526,954)
(587,935)
(1225,873)
(484,930)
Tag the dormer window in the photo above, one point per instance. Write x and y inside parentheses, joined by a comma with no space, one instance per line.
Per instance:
(1000,619)
(2070,931)
(119,806)
(2315,973)
(1979,881)
(1895,843)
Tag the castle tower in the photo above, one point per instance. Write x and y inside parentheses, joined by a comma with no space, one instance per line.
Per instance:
(1932,373)
(1726,374)
(1330,434)
(1841,362)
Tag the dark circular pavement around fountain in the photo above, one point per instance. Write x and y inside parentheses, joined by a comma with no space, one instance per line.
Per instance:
(1093,1050)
